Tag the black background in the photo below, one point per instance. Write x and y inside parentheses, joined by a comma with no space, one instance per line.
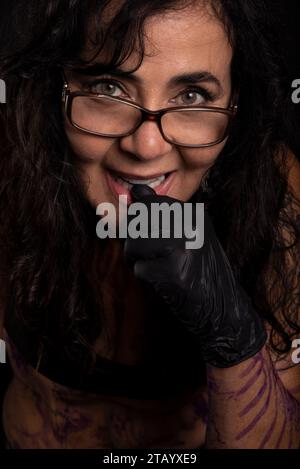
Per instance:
(290,33)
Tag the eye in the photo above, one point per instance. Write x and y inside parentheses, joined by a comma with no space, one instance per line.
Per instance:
(105,86)
(193,97)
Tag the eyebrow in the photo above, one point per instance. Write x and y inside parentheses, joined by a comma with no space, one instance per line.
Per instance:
(195,77)
(183,79)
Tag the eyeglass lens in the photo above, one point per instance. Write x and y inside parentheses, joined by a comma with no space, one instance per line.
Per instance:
(114,118)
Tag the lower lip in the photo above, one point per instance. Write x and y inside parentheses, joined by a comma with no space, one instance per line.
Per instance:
(117,189)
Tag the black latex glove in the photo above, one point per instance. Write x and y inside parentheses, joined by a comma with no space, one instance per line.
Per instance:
(199,287)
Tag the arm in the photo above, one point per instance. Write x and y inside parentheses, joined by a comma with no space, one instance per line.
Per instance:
(249,407)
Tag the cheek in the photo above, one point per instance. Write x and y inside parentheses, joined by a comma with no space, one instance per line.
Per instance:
(87,146)
(202,158)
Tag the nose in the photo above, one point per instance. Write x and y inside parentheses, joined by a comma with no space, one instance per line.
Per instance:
(146,143)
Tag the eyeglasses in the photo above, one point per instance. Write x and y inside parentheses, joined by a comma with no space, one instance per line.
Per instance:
(108,116)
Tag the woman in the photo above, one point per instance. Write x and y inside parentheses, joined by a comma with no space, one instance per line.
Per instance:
(144,343)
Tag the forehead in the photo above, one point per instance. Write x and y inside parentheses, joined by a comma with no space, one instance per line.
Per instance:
(180,40)
(187,39)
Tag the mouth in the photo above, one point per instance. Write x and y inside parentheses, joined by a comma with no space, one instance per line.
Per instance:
(129,180)
(121,183)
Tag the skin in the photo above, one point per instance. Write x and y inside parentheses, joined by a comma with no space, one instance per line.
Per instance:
(249,405)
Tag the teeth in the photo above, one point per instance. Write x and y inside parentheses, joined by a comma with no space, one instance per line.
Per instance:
(128,183)
(123,183)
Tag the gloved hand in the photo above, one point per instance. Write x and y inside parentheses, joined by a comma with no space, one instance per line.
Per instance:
(199,287)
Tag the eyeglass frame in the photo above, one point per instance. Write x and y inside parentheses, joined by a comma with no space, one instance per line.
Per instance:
(68,97)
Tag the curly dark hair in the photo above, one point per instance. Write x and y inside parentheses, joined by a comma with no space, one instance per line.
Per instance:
(47,226)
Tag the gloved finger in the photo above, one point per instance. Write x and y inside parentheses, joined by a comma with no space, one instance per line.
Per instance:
(154,271)
(161,271)
(158,276)
(163,216)
(149,248)
(139,191)
(147,195)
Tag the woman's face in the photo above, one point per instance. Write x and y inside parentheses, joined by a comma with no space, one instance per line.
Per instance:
(186,52)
